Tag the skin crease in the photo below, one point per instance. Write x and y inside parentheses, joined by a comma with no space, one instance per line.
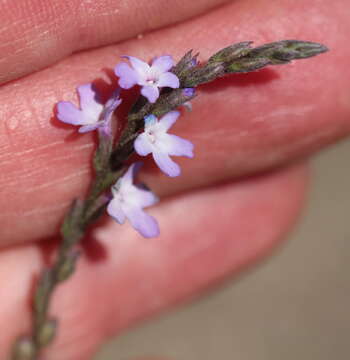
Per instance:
(280,115)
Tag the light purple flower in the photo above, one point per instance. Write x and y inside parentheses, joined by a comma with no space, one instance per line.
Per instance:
(128,203)
(92,113)
(150,77)
(157,141)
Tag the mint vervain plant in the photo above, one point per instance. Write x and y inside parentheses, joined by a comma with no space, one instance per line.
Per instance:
(165,87)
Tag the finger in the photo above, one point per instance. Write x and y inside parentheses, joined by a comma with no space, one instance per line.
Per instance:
(37,33)
(152,358)
(239,126)
(205,236)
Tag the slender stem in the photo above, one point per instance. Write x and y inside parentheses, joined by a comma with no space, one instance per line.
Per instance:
(73,230)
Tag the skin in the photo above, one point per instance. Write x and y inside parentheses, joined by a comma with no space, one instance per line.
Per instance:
(243,190)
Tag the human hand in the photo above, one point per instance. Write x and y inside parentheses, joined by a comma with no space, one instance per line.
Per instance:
(217,220)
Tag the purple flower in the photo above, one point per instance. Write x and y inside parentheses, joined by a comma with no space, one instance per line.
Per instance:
(157,141)
(92,114)
(149,77)
(128,203)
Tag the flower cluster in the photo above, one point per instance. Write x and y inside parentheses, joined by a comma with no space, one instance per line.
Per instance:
(129,200)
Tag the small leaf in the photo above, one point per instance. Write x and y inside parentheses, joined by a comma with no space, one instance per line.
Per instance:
(47,333)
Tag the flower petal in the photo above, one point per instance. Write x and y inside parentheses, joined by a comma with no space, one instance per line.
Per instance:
(151,93)
(145,198)
(128,201)
(127,76)
(141,67)
(112,103)
(168,79)
(166,164)
(162,64)
(115,210)
(87,95)
(128,178)
(90,102)
(145,224)
(167,121)
(177,146)
(70,114)
(142,146)
(90,127)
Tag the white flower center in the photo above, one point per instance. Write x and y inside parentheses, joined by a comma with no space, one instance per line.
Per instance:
(151,136)
(120,198)
(117,193)
(151,81)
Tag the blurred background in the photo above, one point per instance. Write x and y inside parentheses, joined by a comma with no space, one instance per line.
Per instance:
(295,305)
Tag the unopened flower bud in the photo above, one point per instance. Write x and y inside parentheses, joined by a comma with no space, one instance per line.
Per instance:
(189,92)
(185,65)
(47,332)
(231,52)
(288,50)
(24,349)
(247,65)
